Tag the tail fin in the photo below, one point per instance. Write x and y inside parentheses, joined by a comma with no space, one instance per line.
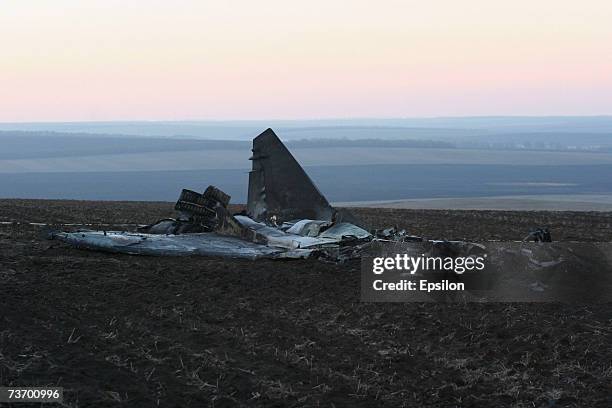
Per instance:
(279,187)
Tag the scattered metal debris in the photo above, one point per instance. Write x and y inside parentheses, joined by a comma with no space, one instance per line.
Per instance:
(539,235)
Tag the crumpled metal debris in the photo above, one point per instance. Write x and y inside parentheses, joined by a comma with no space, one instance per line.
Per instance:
(204,212)
(539,235)
(395,234)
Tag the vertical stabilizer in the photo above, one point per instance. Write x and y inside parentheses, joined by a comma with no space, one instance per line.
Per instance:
(279,187)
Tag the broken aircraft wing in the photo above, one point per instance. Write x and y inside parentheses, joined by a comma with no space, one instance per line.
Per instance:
(202,244)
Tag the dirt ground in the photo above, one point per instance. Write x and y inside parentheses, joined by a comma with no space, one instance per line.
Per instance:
(120,330)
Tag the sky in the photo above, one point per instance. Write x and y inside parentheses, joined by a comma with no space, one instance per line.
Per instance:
(76,60)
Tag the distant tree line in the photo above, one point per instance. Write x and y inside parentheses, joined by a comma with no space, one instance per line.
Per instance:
(416,143)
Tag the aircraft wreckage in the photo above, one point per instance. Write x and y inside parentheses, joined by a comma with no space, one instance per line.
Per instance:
(286,217)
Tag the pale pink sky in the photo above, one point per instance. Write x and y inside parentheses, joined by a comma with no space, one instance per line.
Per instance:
(68,60)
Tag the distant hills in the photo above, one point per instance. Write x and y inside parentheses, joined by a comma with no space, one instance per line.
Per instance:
(419,128)
(351,160)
